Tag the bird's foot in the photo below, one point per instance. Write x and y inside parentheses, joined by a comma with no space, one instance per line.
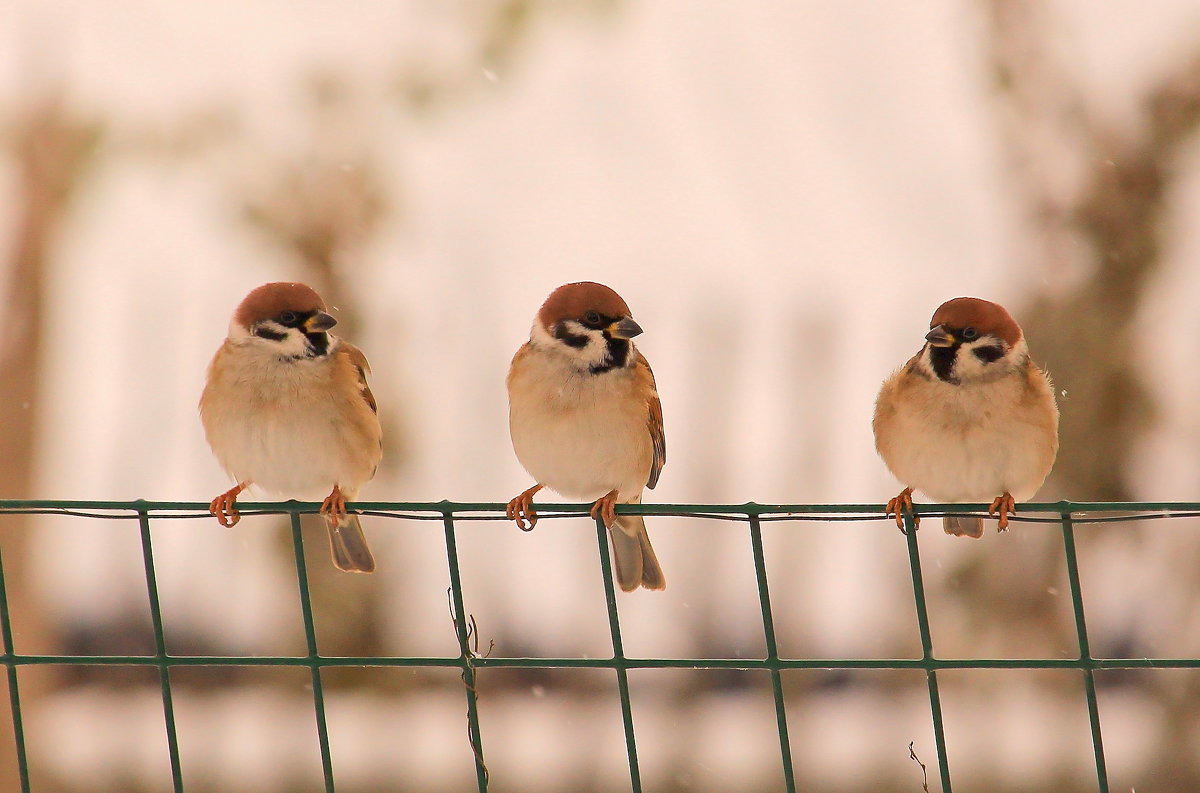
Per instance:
(520,509)
(334,506)
(898,504)
(1003,504)
(606,508)
(223,506)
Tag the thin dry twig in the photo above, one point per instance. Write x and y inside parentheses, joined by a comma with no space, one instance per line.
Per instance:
(924,771)
(469,645)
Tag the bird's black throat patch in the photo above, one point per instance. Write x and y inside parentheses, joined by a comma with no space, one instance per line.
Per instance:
(618,356)
(942,360)
(318,343)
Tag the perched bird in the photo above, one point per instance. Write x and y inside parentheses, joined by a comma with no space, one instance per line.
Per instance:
(286,407)
(970,417)
(586,421)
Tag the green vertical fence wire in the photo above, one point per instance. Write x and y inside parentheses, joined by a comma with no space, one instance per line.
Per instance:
(14,696)
(160,651)
(764,603)
(619,661)
(935,699)
(314,658)
(1085,652)
(461,621)
(469,662)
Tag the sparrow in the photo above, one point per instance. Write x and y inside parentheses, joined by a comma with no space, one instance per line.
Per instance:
(286,407)
(969,418)
(586,421)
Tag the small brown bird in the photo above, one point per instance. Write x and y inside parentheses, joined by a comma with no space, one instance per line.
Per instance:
(286,407)
(586,420)
(970,417)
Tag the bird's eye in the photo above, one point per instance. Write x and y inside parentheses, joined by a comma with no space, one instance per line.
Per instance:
(592,319)
(970,334)
(288,317)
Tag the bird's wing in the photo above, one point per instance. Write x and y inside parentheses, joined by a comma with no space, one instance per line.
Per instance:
(359,361)
(654,418)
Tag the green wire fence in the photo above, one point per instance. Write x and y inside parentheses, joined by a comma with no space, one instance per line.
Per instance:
(1068,514)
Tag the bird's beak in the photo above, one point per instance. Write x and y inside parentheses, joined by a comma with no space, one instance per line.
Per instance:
(319,322)
(940,337)
(624,328)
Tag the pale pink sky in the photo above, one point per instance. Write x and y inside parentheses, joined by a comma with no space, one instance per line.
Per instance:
(740,177)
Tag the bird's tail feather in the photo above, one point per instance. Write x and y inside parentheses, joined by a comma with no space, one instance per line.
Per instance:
(349,545)
(633,556)
(963,525)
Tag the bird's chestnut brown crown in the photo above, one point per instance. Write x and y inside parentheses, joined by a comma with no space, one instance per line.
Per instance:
(581,301)
(984,317)
(272,301)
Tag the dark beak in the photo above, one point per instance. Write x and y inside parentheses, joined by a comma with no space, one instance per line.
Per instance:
(319,322)
(940,337)
(624,328)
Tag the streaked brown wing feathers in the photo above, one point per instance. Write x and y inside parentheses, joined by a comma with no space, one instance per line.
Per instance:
(356,357)
(654,420)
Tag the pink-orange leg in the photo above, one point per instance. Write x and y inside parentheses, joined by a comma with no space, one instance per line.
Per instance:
(897,506)
(334,506)
(520,509)
(223,505)
(606,508)
(1003,504)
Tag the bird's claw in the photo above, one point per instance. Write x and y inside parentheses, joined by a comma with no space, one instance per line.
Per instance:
(605,508)
(223,507)
(1003,504)
(334,506)
(897,506)
(520,510)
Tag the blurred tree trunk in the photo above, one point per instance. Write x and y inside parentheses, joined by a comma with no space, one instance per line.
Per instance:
(1097,197)
(320,207)
(51,152)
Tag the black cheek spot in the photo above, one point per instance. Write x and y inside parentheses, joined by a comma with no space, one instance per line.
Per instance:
(576,340)
(263,332)
(989,354)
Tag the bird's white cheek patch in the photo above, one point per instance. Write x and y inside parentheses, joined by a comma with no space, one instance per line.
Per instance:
(594,353)
(969,366)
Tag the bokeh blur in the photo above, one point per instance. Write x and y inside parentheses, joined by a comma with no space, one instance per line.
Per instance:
(782,190)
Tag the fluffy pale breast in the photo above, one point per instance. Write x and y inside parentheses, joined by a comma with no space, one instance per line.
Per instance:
(294,428)
(969,442)
(579,434)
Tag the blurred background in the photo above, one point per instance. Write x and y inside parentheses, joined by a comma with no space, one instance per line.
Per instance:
(782,190)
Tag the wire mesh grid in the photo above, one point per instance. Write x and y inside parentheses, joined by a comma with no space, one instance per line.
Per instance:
(469,661)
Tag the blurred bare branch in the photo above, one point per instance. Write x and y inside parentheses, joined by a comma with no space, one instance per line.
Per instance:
(52,150)
(322,204)
(319,205)
(498,30)
(1096,196)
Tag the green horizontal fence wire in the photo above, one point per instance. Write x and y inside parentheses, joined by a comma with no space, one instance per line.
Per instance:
(1069,515)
